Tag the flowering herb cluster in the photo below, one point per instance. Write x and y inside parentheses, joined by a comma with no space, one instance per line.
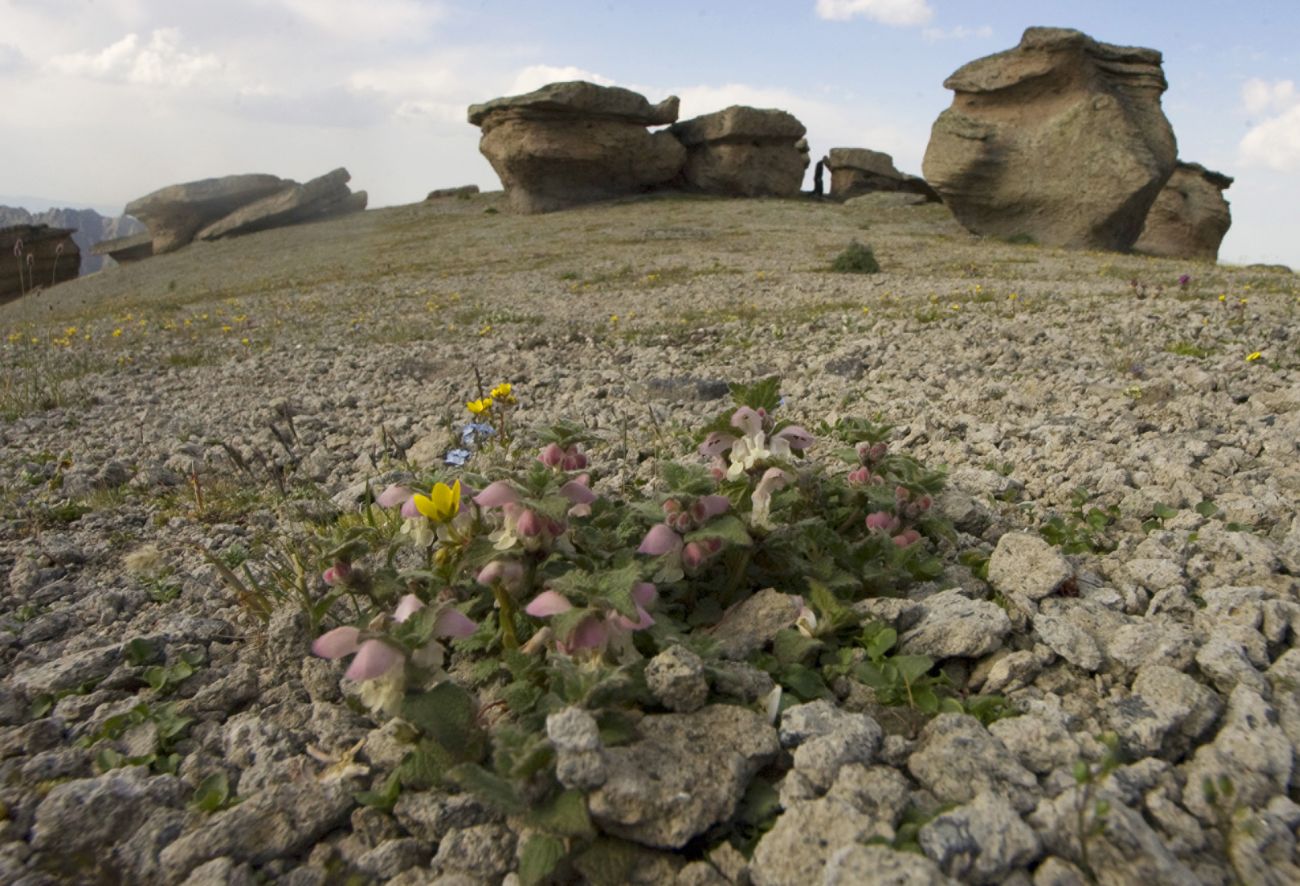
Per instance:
(530,588)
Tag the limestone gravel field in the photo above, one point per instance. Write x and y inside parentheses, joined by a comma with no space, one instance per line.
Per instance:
(1120,436)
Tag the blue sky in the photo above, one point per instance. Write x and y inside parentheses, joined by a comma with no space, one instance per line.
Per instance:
(108,100)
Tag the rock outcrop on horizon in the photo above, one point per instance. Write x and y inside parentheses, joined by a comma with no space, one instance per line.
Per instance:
(1189,217)
(1061,139)
(176,213)
(322,197)
(857,171)
(125,250)
(575,142)
(35,256)
(744,152)
(235,204)
(88,228)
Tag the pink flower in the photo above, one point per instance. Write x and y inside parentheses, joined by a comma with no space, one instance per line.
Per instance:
(337,574)
(551,455)
(376,656)
(882,521)
(510,573)
(497,495)
(548,603)
(529,525)
(707,507)
(797,438)
(747,421)
(660,540)
(716,444)
(906,537)
(393,496)
(859,476)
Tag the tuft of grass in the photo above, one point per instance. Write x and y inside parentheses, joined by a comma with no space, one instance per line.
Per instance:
(856,259)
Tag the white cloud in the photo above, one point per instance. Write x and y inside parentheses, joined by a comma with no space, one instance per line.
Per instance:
(159,62)
(889,12)
(960,32)
(1261,96)
(537,76)
(11,58)
(368,19)
(1275,143)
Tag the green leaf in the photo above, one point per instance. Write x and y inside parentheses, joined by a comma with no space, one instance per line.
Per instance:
(213,793)
(608,861)
(804,682)
(565,815)
(383,799)
(1164,512)
(828,606)
(539,858)
(445,714)
(912,667)
(727,527)
(762,394)
(488,787)
(879,642)
(107,758)
(791,647)
(1207,508)
(140,652)
(425,766)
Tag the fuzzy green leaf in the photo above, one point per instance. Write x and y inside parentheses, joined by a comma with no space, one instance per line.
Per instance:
(727,527)
(213,793)
(763,394)
(425,766)
(608,861)
(489,787)
(445,714)
(791,647)
(539,858)
(565,815)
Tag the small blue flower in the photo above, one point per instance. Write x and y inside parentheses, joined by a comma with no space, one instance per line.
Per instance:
(456,457)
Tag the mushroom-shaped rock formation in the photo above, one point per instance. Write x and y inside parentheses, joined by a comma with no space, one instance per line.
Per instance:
(321,198)
(744,152)
(1061,139)
(33,256)
(856,171)
(1189,217)
(125,250)
(176,213)
(576,142)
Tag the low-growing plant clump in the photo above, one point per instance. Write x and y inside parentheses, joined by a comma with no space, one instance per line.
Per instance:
(473,605)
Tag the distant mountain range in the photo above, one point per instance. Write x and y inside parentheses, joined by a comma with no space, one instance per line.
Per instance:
(90,226)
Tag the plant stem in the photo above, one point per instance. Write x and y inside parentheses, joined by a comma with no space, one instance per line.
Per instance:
(507,605)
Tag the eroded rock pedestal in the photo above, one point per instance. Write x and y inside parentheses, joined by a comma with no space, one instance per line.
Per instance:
(857,171)
(744,152)
(1190,217)
(1061,140)
(575,142)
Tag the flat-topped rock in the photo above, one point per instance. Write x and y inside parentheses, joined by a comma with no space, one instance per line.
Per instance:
(1189,217)
(576,98)
(857,171)
(124,250)
(1061,139)
(572,143)
(322,197)
(743,151)
(176,213)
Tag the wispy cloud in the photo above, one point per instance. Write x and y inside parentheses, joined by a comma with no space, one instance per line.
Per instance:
(901,13)
(159,61)
(960,32)
(1274,142)
(537,76)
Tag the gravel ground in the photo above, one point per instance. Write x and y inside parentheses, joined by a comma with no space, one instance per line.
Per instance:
(1050,383)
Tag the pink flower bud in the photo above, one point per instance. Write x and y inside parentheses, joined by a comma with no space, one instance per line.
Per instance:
(552,455)
(509,573)
(660,540)
(901,493)
(337,574)
(681,522)
(530,525)
(393,496)
(882,521)
(574,459)
(907,537)
(707,507)
(496,495)
(924,503)
(693,555)
(548,603)
(859,476)
(672,506)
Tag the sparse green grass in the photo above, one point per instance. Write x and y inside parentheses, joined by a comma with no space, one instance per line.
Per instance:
(1184,348)
(856,259)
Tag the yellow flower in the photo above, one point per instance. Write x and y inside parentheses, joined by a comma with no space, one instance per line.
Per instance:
(502,391)
(244,342)
(1252,357)
(441,504)
(70,332)
(226,328)
(478,407)
(117,333)
(1223,296)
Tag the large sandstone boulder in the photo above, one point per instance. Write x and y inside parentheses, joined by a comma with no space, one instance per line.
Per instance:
(857,171)
(1061,139)
(176,213)
(576,142)
(744,152)
(33,256)
(320,198)
(1190,217)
